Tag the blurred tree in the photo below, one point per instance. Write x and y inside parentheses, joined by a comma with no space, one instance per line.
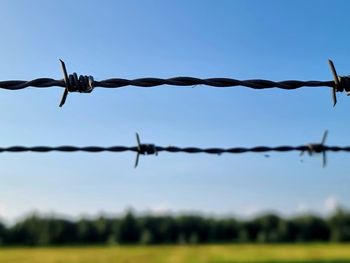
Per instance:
(339,225)
(311,228)
(128,230)
(267,226)
(2,234)
(186,229)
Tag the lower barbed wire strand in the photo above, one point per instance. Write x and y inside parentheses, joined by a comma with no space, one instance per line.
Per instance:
(172,149)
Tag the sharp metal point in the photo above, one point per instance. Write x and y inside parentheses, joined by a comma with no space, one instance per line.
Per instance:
(66,80)
(324,154)
(324,138)
(334,97)
(64,97)
(324,163)
(138,140)
(137,160)
(336,81)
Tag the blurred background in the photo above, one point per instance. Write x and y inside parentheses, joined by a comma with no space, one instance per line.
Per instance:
(275,40)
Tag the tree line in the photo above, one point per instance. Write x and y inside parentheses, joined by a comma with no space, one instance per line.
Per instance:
(37,230)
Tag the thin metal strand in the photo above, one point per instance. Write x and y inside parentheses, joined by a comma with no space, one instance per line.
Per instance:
(177,81)
(86,84)
(172,149)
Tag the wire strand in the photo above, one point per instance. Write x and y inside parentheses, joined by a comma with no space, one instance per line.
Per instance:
(173,149)
(176,81)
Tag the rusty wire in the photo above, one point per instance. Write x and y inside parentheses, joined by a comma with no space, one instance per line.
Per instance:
(85,84)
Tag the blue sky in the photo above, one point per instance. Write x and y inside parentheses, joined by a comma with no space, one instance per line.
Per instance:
(275,40)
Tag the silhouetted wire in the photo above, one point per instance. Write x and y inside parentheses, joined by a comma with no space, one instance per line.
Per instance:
(86,84)
(177,81)
(173,149)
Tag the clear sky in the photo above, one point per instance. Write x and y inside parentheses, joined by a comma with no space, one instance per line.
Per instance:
(275,40)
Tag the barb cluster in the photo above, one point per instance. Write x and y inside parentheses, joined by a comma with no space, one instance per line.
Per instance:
(85,84)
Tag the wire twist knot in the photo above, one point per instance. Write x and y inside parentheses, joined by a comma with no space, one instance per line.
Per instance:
(83,84)
(144,149)
(315,148)
(147,149)
(318,148)
(344,84)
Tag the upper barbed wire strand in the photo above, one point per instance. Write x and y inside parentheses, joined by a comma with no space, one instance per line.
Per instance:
(86,84)
(176,81)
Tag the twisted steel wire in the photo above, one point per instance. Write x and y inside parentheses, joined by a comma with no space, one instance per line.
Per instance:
(174,149)
(86,84)
(177,81)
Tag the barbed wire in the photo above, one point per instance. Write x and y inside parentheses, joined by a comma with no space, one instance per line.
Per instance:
(152,149)
(86,84)
(176,81)
(171,149)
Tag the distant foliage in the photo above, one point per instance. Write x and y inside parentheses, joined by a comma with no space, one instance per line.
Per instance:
(187,229)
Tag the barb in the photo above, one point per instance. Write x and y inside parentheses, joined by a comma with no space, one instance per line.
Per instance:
(152,149)
(144,149)
(314,148)
(85,84)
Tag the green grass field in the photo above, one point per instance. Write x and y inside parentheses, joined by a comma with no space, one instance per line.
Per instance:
(176,254)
